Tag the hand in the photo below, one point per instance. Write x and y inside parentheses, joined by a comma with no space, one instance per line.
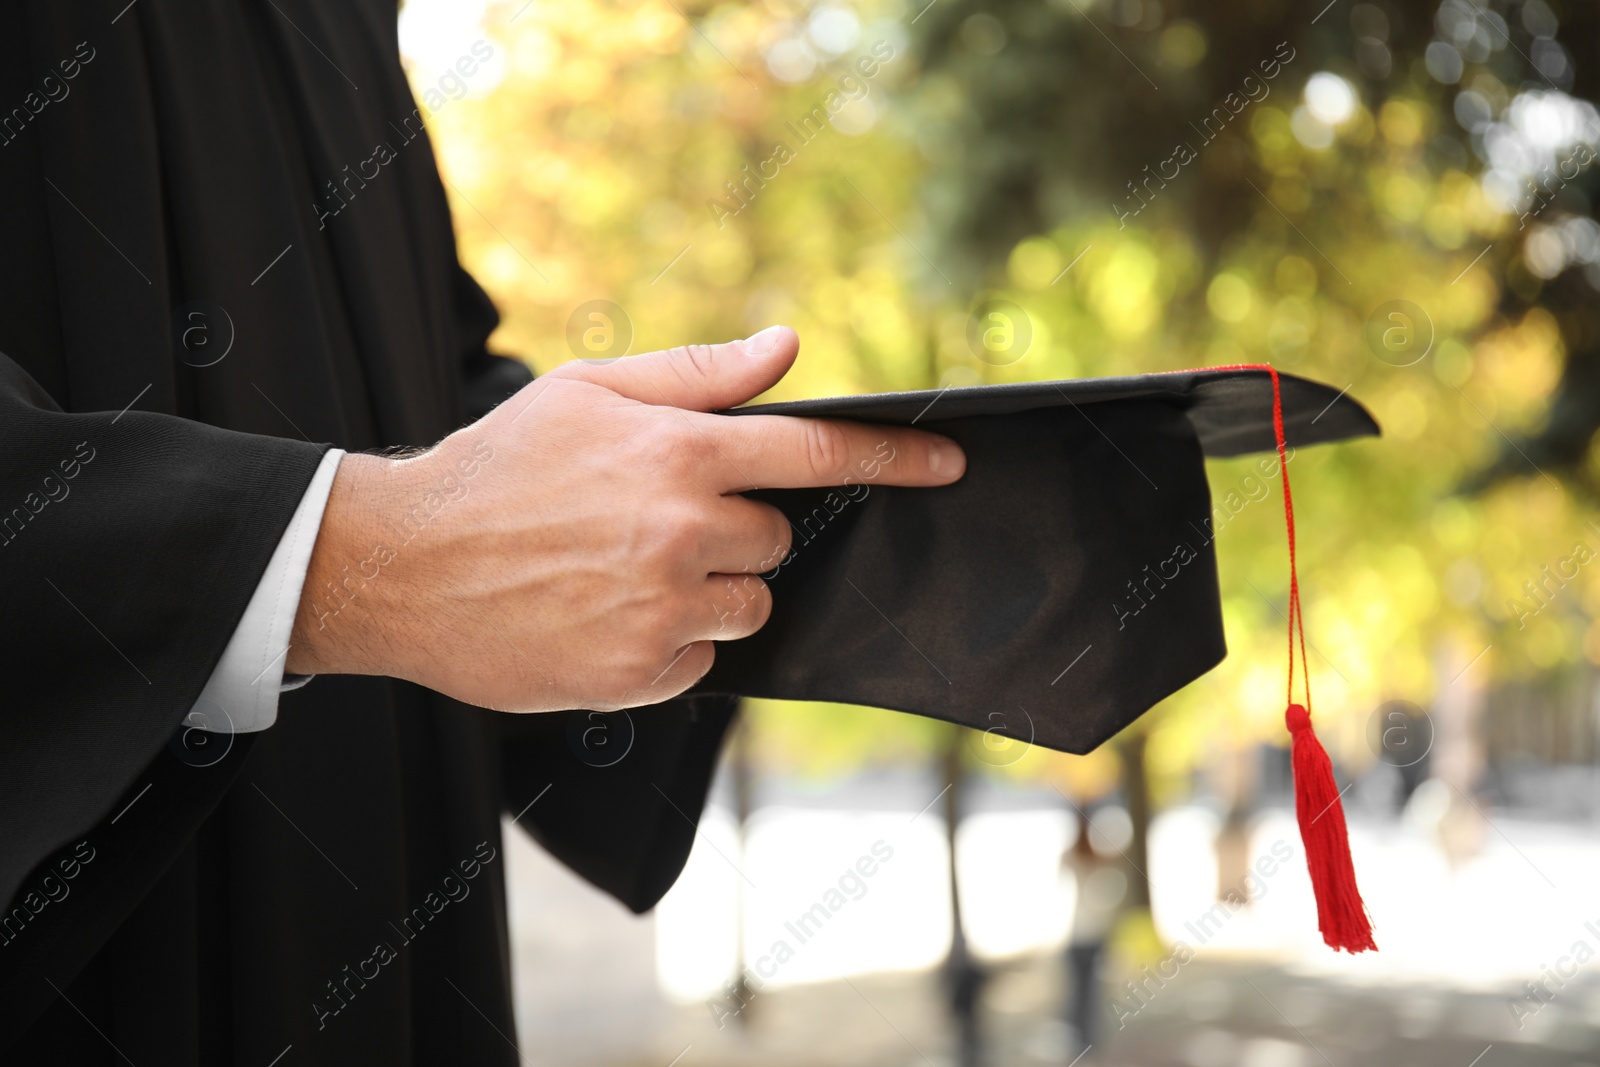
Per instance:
(584,544)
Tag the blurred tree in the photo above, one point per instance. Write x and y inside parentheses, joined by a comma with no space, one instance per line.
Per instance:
(1248,182)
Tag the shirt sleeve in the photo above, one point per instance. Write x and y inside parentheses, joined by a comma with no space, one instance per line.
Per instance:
(241,696)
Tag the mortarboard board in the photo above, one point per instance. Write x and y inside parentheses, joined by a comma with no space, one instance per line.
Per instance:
(1063,586)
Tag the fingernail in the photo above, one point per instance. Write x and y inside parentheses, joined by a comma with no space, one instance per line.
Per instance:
(946,460)
(763,343)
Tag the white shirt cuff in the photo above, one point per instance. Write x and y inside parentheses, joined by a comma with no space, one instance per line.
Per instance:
(241,696)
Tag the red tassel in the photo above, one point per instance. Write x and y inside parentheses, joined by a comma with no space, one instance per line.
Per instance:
(1341,913)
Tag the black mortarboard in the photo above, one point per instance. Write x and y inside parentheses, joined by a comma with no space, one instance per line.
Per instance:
(1063,586)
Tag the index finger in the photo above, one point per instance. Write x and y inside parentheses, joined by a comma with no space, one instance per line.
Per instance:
(790,452)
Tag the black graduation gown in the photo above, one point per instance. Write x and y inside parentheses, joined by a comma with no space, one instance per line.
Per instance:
(334,883)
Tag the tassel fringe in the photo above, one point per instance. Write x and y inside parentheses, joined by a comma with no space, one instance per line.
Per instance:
(1341,913)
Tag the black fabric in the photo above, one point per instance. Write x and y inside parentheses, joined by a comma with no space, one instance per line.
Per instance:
(1067,583)
(178,160)
(79,898)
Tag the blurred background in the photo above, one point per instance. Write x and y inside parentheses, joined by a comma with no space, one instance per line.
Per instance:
(1392,197)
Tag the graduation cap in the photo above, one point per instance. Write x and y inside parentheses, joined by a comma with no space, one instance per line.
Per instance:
(1063,586)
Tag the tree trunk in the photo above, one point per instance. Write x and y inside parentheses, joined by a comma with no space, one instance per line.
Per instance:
(1136,783)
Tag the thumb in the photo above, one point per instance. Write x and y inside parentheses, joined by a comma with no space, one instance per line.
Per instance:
(696,377)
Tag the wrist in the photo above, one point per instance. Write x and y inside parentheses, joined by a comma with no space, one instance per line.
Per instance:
(344,607)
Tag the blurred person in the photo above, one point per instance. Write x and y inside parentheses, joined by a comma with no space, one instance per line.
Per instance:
(231,291)
(1405,742)
(1102,886)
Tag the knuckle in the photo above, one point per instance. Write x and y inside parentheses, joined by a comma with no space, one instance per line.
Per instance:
(670,447)
(694,665)
(776,537)
(682,448)
(696,450)
(782,537)
(747,604)
(692,363)
(827,448)
(669,665)
(679,533)
(759,607)
(572,369)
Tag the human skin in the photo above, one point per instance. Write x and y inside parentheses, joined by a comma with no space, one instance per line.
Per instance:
(585,543)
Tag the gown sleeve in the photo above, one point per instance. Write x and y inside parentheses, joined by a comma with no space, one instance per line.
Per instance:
(616,796)
(130,544)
